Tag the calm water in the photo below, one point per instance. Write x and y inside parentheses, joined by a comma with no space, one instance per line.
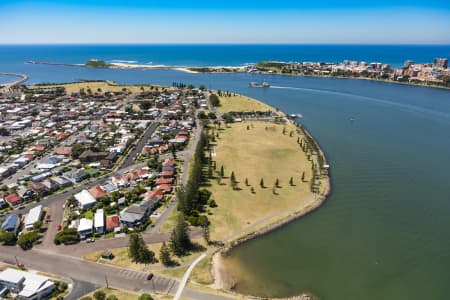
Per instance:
(384,233)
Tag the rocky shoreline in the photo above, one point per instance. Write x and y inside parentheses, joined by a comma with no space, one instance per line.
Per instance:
(224,281)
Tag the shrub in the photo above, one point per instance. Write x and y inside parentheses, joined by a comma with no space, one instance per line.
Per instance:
(212,203)
(7,238)
(67,236)
(99,295)
(145,297)
(26,240)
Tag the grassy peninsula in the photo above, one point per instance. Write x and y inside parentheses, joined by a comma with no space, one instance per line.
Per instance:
(97,63)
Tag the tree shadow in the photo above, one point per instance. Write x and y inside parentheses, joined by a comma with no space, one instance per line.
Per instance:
(195,247)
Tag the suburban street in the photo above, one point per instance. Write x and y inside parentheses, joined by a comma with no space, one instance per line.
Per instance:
(130,158)
(187,155)
(78,269)
(66,261)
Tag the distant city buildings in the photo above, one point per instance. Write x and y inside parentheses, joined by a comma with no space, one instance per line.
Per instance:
(436,73)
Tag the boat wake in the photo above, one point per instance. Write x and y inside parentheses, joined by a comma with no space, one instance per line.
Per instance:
(384,102)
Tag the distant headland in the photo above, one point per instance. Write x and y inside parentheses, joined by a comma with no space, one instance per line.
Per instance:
(433,74)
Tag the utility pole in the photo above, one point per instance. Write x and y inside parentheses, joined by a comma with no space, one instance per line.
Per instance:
(106,280)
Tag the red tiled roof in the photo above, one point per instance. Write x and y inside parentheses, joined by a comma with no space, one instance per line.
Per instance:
(112,222)
(163,181)
(39,147)
(163,148)
(181,137)
(12,199)
(167,173)
(63,151)
(158,194)
(97,192)
(168,162)
(165,187)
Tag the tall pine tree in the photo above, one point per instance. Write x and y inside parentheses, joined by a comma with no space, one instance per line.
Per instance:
(180,241)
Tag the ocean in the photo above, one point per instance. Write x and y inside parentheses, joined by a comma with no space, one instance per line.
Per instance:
(384,231)
(218,55)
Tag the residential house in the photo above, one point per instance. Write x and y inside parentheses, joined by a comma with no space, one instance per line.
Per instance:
(85,199)
(61,181)
(39,188)
(89,156)
(98,192)
(161,181)
(27,286)
(13,199)
(66,151)
(167,174)
(3,203)
(85,228)
(11,224)
(133,215)
(112,222)
(119,181)
(99,221)
(35,214)
(25,193)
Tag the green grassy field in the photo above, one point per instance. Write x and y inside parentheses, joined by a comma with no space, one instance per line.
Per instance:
(260,152)
(121,258)
(241,103)
(94,86)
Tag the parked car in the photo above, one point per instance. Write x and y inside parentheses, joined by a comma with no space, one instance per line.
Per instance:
(59,227)
(90,240)
(150,276)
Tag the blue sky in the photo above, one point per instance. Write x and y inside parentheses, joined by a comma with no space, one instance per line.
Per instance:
(232,21)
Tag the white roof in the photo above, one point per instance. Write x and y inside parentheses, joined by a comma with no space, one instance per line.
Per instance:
(32,283)
(85,198)
(85,224)
(99,218)
(11,275)
(33,216)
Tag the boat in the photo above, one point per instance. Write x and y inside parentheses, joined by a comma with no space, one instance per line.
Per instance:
(294,116)
(259,85)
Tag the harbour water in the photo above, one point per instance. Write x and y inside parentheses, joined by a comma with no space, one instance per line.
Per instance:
(384,232)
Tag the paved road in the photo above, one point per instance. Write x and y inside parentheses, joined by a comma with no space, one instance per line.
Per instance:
(127,164)
(183,180)
(30,166)
(129,160)
(81,288)
(79,270)
(83,248)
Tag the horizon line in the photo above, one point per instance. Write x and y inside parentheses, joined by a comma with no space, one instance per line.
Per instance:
(224,44)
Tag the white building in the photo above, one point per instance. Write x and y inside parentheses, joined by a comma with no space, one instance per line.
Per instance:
(85,199)
(99,221)
(26,285)
(85,228)
(34,215)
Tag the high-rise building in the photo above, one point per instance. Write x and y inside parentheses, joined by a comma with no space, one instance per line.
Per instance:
(440,63)
(408,64)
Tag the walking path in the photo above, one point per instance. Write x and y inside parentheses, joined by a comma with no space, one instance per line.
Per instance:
(186,276)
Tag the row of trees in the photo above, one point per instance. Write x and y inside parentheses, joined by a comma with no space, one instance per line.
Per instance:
(191,200)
